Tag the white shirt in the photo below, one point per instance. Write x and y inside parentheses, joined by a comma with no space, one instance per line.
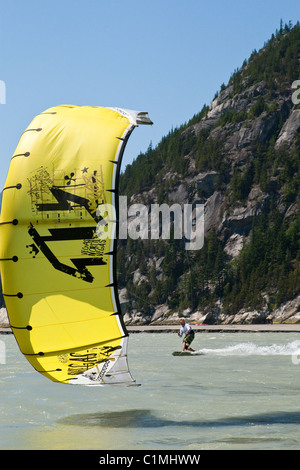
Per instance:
(185,329)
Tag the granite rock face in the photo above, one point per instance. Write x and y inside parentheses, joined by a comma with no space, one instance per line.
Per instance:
(240,122)
(4,322)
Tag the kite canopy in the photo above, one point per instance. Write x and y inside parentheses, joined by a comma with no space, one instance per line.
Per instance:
(58,243)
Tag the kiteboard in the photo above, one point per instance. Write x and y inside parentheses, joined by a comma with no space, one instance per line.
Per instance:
(187,353)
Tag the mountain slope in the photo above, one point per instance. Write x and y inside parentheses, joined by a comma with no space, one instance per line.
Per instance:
(240,157)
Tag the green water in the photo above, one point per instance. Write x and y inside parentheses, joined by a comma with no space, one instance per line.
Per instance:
(242,394)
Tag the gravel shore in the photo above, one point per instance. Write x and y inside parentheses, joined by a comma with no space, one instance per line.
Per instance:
(277,327)
(282,328)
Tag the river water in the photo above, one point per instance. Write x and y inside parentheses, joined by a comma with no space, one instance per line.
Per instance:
(242,394)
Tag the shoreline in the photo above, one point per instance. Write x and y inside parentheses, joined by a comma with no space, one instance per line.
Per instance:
(253,328)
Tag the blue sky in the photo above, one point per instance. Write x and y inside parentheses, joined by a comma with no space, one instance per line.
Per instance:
(167,57)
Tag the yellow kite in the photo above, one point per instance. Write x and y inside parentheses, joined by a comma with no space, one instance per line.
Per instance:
(58,272)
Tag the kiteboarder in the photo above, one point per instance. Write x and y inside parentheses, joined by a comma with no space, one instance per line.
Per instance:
(189,335)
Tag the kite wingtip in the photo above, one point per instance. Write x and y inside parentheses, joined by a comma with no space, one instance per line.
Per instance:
(143,118)
(135,117)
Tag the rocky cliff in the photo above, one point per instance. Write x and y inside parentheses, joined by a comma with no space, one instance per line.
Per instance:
(240,158)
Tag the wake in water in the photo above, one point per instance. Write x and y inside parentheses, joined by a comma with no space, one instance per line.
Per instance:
(252,349)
